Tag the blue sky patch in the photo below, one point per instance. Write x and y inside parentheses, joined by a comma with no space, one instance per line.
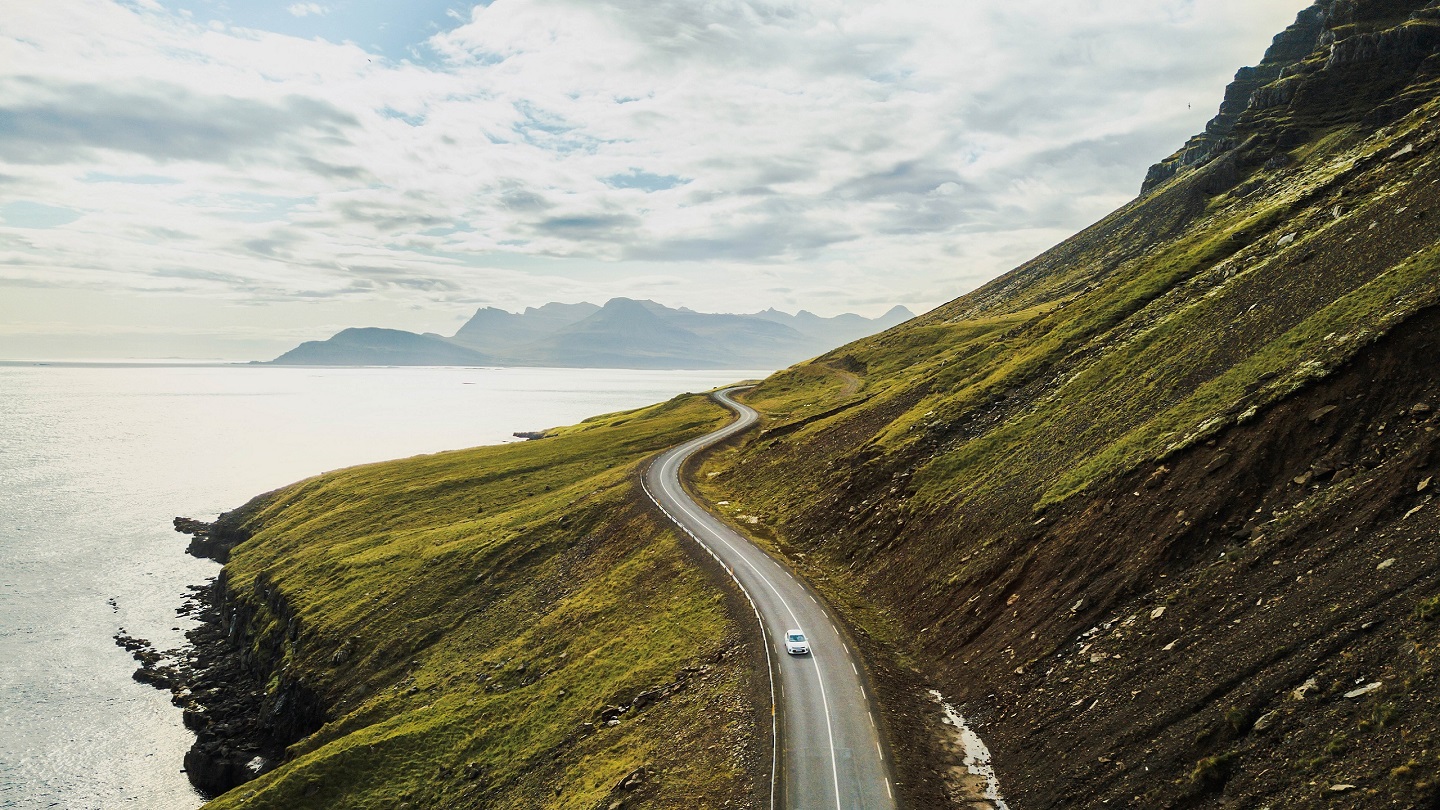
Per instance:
(394,30)
(449,230)
(133,179)
(412,120)
(27,214)
(645,181)
(249,207)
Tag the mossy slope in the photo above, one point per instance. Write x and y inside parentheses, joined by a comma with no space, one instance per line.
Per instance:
(465,616)
(985,483)
(1180,314)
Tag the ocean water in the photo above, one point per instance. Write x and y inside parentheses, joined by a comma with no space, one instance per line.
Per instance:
(94,463)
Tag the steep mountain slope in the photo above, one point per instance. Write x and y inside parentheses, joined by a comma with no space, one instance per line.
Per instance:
(492,329)
(627,333)
(382,347)
(747,339)
(622,334)
(839,330)
(1124,503)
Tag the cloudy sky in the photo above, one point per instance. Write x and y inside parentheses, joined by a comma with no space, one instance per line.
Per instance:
(224,178)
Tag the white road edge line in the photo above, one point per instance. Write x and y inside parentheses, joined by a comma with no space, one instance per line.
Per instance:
(765,637)
(669,472)
(819,675)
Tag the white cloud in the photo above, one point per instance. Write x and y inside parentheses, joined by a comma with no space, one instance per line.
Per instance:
(832,154)
(307,9)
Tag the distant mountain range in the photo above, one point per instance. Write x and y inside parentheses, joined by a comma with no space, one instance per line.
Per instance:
(624,333)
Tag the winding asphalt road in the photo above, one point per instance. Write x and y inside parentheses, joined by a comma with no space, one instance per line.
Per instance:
(829,754)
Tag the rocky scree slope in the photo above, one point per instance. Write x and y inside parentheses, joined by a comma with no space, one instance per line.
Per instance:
(1156,508)
(504,627)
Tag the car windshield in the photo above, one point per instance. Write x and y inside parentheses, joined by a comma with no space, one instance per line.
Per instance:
(797,636)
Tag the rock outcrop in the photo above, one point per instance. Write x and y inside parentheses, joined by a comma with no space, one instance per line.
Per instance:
(244,708)
(1337,55)
(1289,49)
(231,686)
(230,681)
(214,540)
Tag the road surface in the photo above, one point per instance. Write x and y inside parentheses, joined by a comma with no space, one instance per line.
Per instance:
(829,755)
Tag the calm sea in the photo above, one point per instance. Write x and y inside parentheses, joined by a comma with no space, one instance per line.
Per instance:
(94,463)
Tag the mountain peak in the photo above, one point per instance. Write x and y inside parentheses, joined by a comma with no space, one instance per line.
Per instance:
(630,308)
(621,302)
(624,333)
(1338,63)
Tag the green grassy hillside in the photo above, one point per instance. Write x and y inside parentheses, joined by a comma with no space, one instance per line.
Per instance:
(1155,510)
(1223,370)
(1180,315)
(466,617)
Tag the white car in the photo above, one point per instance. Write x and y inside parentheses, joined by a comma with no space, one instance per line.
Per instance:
(796,643)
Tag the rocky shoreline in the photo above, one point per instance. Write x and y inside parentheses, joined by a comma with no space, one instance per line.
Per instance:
(214,540)
(243,713)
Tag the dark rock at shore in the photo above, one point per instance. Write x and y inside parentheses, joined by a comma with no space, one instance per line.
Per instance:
(195,718)
(158,678)
(156,668)
(216,768)
(186,525)
(213,540)
(130,643)
(242,727)
(220,682)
